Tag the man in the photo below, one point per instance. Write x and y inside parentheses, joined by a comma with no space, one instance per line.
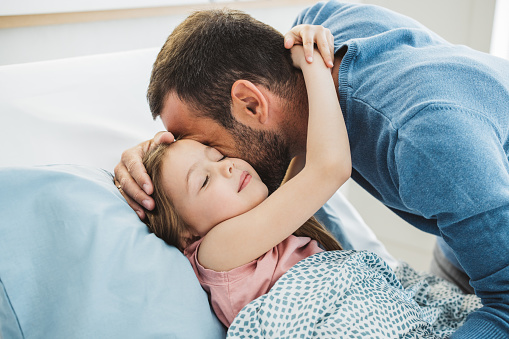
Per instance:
(427,123)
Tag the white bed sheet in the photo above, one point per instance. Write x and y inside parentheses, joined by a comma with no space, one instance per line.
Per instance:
(84,110)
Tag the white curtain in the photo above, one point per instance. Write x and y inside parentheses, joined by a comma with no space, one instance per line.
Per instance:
(500,35)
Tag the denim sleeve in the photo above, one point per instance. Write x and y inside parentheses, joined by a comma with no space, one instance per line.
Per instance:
(451,166)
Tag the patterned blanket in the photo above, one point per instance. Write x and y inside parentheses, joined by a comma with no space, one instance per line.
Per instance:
(349,294)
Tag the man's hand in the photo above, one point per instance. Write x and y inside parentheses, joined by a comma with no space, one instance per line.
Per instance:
(308,36)
(131,177)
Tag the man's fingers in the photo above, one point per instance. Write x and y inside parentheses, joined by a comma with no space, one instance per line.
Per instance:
(163,137)
(132,189)
(134,180)
(132,159)
(133,204)
(131,176)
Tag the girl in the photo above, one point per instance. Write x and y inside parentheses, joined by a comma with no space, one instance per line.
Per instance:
(217,210)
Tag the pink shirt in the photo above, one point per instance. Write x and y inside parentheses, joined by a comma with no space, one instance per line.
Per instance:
(230,291)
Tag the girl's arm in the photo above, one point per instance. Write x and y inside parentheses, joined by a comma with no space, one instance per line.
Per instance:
(308,36)
(246,237)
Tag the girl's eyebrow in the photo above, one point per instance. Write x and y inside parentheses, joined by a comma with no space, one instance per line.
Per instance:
(193,167)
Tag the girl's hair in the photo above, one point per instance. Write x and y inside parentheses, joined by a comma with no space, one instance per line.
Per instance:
(165,222)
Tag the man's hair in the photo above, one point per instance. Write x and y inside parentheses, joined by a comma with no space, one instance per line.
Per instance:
(212,49)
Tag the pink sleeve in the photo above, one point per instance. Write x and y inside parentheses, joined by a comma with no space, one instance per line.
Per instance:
(230,291)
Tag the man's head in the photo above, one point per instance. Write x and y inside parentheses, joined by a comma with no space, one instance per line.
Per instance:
(225,79)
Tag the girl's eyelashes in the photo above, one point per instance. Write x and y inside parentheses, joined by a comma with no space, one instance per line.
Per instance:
(207,178)
(205,181)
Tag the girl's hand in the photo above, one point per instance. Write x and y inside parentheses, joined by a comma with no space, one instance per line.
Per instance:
(308,36)
(300,60)
(298,56)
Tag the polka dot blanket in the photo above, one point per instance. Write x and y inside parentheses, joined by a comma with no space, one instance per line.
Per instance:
(349,294)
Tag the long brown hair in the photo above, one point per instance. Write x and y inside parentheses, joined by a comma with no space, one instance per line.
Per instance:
(165,222)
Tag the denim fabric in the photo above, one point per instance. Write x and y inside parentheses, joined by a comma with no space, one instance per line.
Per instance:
(428,125)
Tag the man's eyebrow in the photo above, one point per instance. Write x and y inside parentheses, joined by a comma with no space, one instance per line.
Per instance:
(194,166)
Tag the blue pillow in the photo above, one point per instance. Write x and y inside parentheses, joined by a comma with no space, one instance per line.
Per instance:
(76,262)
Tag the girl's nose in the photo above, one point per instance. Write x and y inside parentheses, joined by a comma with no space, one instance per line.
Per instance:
(227,167)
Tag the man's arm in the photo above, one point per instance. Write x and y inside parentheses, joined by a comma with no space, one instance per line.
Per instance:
(451,166)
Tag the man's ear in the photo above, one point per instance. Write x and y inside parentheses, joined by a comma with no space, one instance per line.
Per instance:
(249,103)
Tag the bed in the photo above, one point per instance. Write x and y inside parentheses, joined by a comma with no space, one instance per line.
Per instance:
(75,260)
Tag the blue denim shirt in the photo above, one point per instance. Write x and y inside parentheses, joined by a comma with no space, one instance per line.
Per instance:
(428,123)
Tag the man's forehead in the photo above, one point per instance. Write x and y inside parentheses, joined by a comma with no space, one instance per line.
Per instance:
(182,126)
(183,121)
(175,114)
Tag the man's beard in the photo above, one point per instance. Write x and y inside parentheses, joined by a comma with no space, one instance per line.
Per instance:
(265,151)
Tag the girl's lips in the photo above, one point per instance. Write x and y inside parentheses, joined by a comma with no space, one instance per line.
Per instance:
(245,178)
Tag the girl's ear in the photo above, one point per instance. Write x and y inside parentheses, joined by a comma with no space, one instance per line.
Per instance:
(249,104)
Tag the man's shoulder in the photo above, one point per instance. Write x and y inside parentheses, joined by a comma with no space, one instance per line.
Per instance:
(351,21)
(322,11)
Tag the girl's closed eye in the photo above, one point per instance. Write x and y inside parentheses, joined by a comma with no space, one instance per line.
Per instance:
(207,177)
(205,181)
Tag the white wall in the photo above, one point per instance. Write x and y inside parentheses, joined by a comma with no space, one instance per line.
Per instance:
(27,44)
(26,7)
(466,22)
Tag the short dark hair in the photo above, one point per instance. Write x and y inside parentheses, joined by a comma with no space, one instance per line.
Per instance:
(212,49)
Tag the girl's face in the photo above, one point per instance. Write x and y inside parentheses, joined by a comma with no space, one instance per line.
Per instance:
(207,188)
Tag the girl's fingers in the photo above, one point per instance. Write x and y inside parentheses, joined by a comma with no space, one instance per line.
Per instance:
(308,42)
(331,46)
(289,40)
(308,36)
(324,47)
